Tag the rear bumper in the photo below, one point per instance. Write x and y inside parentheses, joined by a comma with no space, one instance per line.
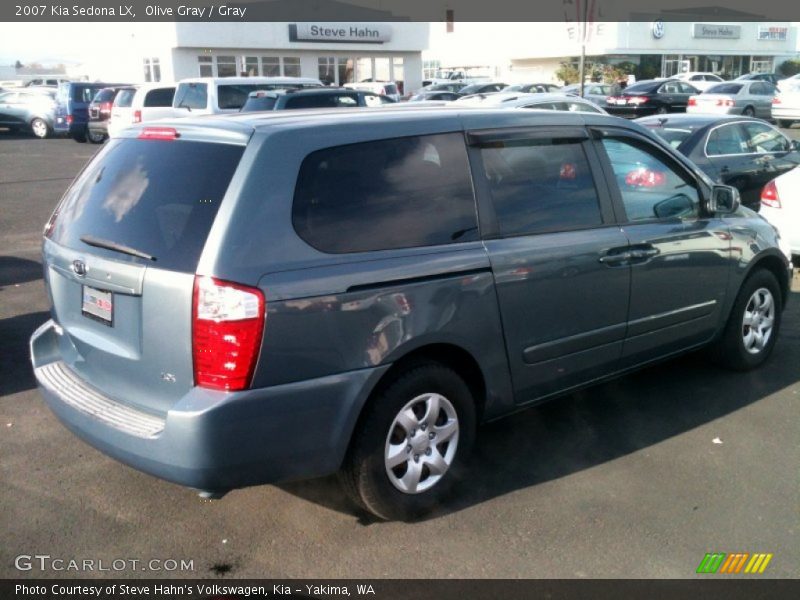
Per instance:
(631,112)
(785,112)
(60,125)
(209,440)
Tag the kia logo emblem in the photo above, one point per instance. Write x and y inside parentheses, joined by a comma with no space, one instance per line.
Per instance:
(79,267)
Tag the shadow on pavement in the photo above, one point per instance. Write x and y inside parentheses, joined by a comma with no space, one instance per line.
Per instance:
(18,270)
(600,423)
(16,374)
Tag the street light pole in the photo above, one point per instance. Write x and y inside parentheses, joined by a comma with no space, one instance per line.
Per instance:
(584,25)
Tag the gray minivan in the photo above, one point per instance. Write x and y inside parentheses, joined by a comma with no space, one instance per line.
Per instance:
(269,296)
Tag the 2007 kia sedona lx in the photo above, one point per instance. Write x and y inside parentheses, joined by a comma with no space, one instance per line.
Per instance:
(248,299)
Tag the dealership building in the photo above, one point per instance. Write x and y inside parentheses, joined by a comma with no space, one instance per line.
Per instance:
(336,52)
(535,51)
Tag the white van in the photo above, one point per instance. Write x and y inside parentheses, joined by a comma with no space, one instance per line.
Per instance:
(214,95)
(137,104)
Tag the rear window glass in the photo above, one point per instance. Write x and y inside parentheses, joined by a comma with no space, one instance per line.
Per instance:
(261,103)
(82,93)
(191,95)
(105,95)
(159,97)
(674,136)
(725,88)
(124,98)
(397,193)
(234,96)
(322,101)
(643,87)
(157,197)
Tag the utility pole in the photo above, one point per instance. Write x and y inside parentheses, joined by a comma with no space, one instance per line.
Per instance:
(584,25)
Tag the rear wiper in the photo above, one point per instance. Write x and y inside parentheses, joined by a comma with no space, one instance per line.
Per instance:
(100,243)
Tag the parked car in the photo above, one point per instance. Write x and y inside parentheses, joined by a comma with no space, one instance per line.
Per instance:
(541,101)
(482,88)
(594,92)
(312,98)
(739,151)
(248,299)
(748,98)
(699,80)
(780,205)
(52,82)
(442,87)
(381,88)
(770,77)
(72,107)
(652,96)
(26,110)
(786,105)
(426,96)
(216,95)
(99,114)
(140,104)
(533,88)
(460,74)
(788,82)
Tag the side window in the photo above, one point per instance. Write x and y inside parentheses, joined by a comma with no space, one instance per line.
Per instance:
(372,100)
(764,139)
(687,89)
(650,188)
(159,97)
(397,193)
(726,140)
(191,95)
(346,101)
(540,185)
(757,89)
(547,106)
(581,107)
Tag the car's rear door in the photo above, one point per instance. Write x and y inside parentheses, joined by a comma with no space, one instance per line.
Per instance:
(120,256)
(729,152)
(679,256)
(774,151)
(556,255)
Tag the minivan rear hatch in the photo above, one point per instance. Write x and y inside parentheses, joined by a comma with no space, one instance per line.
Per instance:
(120,255)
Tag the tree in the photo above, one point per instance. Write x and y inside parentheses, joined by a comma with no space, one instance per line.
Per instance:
(790,67)
(18,65)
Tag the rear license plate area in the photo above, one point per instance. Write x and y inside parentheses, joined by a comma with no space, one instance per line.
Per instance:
(98,305)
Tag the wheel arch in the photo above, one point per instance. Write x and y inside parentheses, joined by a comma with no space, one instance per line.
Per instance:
(776,265)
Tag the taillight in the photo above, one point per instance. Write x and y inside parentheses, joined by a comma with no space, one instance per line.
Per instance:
(137,116)
(769,195)
(637,99)
(693,101)
(776,100)
(228,324)
(159,133)
(69,119)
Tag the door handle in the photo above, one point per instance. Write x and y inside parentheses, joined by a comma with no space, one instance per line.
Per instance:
(644,253)
(615,258)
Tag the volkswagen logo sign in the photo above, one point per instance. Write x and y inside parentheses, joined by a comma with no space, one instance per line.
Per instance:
(79,267)
(657,28)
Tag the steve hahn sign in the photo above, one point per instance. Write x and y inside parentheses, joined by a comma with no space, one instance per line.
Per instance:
(369,33)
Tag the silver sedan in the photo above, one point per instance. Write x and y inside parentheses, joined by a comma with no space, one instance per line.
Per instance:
(748,98)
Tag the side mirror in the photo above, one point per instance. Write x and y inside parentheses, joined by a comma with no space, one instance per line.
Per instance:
(724,200)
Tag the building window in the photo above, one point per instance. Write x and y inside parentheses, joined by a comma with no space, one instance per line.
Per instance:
(206,66)
(152,70)
(398,73)
(761,64)
(345,70)
(291,66)
(270,66)
(226,66)
(327,70)
(251,66)
(430,67)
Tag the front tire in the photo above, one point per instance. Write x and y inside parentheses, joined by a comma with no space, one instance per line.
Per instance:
(412,443)
(752,329)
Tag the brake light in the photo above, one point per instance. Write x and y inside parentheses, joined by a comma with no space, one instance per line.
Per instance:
(769,195)
(137,116)
(69,119)
(227,328)
(776,100)
(159,133)
(645,178)
(692,101)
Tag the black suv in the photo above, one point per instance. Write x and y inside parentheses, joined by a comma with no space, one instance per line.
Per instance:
(312,98)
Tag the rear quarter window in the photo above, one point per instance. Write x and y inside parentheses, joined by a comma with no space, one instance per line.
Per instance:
(397,193)
(191,95)
(159,97)
(124,98)
(157,197)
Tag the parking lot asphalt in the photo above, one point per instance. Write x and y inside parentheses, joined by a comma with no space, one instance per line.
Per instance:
(637,478)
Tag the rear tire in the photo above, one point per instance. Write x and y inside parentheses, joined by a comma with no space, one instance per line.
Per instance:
(784,123)
(80,137)
(39,128)
(95,138)
(752,328)
(662,110)
(416,434)
(748,111)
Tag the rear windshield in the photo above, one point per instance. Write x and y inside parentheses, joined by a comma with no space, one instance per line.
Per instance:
(158,197)
(235,95)
(83,93)
(124,98)
(674,136)
(725,88)
(105,95)
(263,103)
(390,88)
(159,97)
(191,95)
(645,86)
